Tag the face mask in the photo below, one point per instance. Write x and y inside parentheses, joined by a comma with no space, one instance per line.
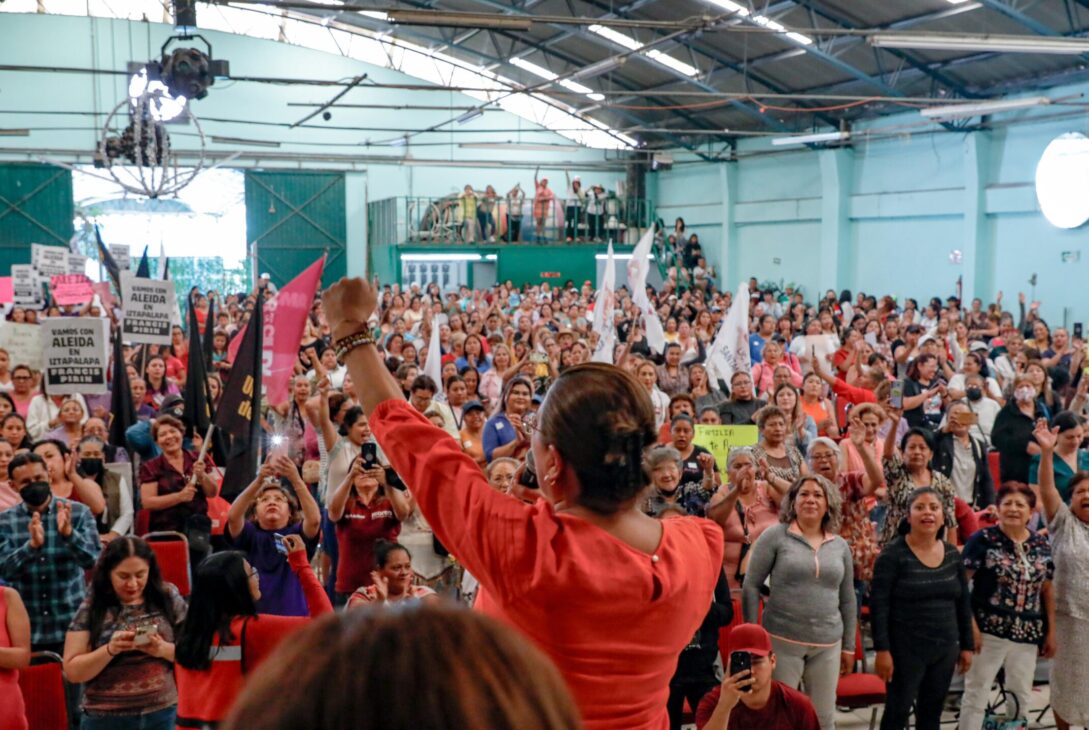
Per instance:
(1024,394)
(974,393)
(35,494)
(90,467)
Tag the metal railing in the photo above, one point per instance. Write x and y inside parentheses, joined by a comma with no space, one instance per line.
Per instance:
(457,220)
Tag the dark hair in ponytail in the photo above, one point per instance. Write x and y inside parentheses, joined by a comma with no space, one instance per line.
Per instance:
(601,419)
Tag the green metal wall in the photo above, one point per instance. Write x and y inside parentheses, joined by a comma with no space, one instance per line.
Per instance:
(294,217)
(35,207)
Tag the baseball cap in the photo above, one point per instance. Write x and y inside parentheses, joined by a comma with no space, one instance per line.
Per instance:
(472,405)
(173,405)
(751,638)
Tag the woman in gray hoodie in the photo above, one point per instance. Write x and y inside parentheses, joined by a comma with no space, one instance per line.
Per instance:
(810,612)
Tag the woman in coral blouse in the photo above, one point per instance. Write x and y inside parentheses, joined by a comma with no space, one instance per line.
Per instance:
(610,594)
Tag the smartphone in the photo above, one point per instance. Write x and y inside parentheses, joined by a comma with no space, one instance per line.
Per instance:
(278,540)
(740,661)
(896,394)
(369,454)
(1077,330)
(143,635)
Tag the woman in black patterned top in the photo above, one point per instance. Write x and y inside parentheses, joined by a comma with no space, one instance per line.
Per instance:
(1011,570)
(922,617)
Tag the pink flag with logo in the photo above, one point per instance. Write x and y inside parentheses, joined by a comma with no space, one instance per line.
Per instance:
(285,318)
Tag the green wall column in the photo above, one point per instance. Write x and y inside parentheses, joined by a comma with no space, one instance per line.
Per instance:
(729,256)
(836,166)
(979,256)
(355,212)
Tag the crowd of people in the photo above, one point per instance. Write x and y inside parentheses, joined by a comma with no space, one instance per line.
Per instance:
(568,502)
(580,211)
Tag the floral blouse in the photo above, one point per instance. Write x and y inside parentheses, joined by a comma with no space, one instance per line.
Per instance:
(1007,587)
(899,485)
(789,468)
(856,527)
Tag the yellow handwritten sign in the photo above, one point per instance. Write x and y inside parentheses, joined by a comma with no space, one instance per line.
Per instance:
(720,439)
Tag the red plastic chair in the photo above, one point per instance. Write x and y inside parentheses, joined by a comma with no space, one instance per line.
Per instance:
(42,684)
(993,463)
(141,523)
(172,551)
(860,688)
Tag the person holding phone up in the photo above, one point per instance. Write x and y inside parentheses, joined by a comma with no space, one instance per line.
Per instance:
(257,522)
(748,697)
(365,509)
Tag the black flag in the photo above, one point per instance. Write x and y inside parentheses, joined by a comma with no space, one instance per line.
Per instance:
(198,414)
(209,334)
(239,412)
(122,409)
(107,259)
(143,271)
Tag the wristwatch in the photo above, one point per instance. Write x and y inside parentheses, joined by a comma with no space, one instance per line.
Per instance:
(346,344)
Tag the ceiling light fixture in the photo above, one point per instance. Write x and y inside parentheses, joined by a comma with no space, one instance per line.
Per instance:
(981,43)
(631,44)
(489,21)
(762,20)
(600,68)
(242,141)
(161,104)
(810,138)
(469,116)
(667,60)
(522,146)
(983,108)
(544,73)
(14,132)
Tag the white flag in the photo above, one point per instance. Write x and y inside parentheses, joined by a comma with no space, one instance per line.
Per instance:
(638,268)
(729,352)
(604,323)
(433,366)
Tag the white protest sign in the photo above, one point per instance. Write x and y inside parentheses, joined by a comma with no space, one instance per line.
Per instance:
(49,260)
(25,283)
(23,343)
(75,354)
(148,309)
(122,255)
(77,264)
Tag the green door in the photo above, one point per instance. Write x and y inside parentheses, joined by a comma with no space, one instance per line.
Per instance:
(292,218)
(35,207)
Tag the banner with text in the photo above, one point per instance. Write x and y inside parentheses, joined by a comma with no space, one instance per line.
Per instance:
(148,308)
(76,354)
(720,439)
(122,255)
(49,260)
(71,289)
(23,343)
(77,263)
(25,285)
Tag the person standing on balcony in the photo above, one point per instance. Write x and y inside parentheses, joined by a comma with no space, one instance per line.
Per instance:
(542,203)
(467,202)
(516,199)
(595,212)
(484,214)
(573,202)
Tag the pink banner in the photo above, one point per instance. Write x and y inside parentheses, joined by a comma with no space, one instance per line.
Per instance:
(285,319)
(7,290)
(102,289)
(71,289)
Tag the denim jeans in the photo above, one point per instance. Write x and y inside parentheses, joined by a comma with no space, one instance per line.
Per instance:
(159,720)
